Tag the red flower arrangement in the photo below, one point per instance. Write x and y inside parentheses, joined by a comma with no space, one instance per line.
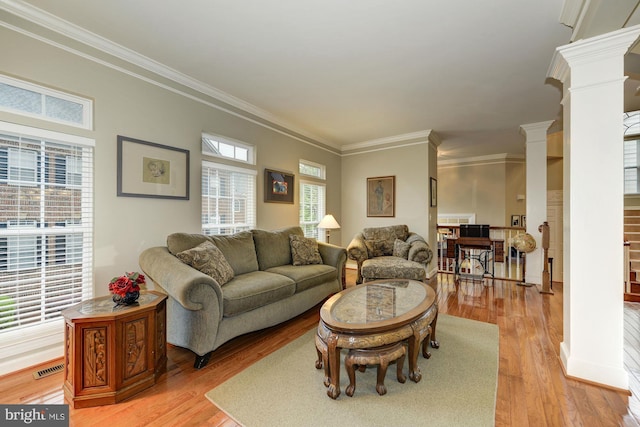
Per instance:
(126,289)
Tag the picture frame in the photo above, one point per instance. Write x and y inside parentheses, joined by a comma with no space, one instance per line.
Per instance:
(523,221)
(381,196)
(433,192)
(148,169)
(515,220)
(278,186)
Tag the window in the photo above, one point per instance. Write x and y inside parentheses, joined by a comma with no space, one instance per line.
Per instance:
(46,232)
(217,146)
(228,198)
(28,99)
(631,123)
(312,169)
(312,199)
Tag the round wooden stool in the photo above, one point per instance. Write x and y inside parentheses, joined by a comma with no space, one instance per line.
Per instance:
(381,356)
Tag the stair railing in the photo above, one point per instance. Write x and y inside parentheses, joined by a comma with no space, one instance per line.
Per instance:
(511,268)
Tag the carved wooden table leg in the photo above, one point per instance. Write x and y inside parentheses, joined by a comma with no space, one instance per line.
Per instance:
(434,341)
(415,374)
(333,356)
(425,344)
(321,349)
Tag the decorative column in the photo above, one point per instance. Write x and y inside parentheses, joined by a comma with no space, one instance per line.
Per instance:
(536,174)
(592,73)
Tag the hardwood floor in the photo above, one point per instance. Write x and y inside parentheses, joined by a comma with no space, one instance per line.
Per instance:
(532,389)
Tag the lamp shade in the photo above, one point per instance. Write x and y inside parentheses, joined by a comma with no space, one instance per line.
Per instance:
(328,223)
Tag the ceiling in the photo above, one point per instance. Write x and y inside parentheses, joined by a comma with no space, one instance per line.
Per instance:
(357,72)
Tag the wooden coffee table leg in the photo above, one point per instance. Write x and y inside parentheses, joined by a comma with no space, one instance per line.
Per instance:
(414,345)
(434,341)
(382,372)
(321,349)
(425,344)
(399,367)
(350,366)
(333,356)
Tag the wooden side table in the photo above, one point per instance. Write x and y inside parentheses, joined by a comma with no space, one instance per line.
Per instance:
(112,353)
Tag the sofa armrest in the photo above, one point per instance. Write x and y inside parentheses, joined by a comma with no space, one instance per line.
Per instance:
(420,252)
(333,255)
(357,250)
(193,289)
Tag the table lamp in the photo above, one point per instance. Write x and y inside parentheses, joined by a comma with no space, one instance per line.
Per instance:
(328,223)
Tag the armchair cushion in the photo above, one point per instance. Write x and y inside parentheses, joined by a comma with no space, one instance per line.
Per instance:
(401,249)
(207,258)
(304,251)
(378,247)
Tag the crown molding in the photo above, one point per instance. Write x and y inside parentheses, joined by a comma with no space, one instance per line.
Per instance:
(570,15)
(424,135)
(79,34)
(491,159)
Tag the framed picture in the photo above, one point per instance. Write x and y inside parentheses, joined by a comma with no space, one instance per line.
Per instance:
(147,169)
(515,220)
(278,187)
(433,192)
(523,221)
(381,196)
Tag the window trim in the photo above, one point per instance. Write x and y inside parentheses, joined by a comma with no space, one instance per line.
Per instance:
(87,104)
(323,169)
(251,150)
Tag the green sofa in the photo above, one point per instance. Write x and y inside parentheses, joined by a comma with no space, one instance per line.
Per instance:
(266,288)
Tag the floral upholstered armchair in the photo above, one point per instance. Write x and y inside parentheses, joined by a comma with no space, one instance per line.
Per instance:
(391,252)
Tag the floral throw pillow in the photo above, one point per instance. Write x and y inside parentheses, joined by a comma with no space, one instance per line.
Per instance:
(304,251)
(401,249)
(379,247)
(207,258)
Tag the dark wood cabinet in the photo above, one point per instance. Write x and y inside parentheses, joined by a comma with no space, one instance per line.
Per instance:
(112,353)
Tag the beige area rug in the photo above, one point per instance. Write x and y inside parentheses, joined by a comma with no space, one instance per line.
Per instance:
(458,386)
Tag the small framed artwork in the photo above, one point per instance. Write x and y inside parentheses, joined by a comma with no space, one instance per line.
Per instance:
(381,196)
(523,221)
(515,220)
(278,187)
(433,192)
(147,169)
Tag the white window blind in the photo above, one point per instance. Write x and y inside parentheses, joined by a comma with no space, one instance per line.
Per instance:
(312,208)
(228,198)
(46,230)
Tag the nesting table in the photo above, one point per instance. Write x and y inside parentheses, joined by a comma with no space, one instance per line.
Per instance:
(112,353)
(375,317)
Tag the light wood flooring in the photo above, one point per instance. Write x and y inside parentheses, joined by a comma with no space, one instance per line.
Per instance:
(532,390)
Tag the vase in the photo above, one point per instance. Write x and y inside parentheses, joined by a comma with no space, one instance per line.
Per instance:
(129,298)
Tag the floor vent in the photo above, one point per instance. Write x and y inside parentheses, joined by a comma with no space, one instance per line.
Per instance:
(49,371)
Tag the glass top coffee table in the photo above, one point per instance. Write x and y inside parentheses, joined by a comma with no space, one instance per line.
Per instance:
(376,314)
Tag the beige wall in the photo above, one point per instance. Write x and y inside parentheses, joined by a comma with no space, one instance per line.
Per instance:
(477,187)
(554,174)
(410,166)
(126,105)
(515,185)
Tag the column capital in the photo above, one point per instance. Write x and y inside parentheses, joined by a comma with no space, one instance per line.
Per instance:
(610,45)
(535,132)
